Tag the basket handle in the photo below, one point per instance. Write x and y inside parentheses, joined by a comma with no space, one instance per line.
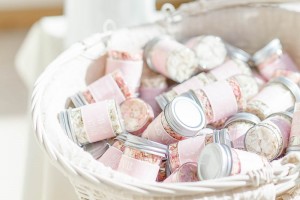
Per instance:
(201,6)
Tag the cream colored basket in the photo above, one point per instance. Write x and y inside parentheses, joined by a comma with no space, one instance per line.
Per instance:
(246,24)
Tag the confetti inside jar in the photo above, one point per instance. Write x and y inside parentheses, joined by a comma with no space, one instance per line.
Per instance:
(271,57)
(142,158)
(110,86)
(218,160)
(130,64)
(189,150)
(238,125)
(277,96)
(210,51)
(225,98)
(137,115)
(152,87)
(226,70)
(112,156)
(182,118)
(294,141)
(93,122)
(170,58)
(270,137)
(185,173)
(97,149)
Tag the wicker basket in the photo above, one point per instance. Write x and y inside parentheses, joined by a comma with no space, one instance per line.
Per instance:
(246,25)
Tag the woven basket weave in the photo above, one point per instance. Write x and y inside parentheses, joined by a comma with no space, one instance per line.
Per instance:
(243,24)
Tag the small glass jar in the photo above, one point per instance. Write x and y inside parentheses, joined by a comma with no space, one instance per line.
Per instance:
(185,173)
(235,91)
(222,72)
(210,51)
(182,118)
(189,150)
(261,81)
(96,149)
(218,160)
(137,115)
(270,137)
(170,58)
(294,140)
(93,122)
(150,88)
(238,125)
(130,64)
(112,156)
(293,76)
(277,96)
(234,52)
(142,158)
(271,57)
(110,86)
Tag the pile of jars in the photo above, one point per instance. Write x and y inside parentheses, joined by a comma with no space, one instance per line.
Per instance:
(184,112)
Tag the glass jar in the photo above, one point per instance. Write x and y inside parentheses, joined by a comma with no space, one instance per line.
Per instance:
(182,118)
(238,125)
(110,86)
(93,122)
(96,149)
(170,58)
(218,160)
(234,52)
(137,115)
(150,88)
(271,57)
(189,150)
(210,51)
(293,76)
(235,91)
(185,173)
(112,156)
(270,137)
(229,68)
(142,158)
(130,64)
(294,140)
(277,96)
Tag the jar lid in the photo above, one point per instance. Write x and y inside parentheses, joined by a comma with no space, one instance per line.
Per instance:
(162,101)
(191,94)
(146,145)
(222,137)
(78,100)
(237,53)
(97,149)
(149,46)
(122,137)
(215,161)
(290,85)
(272,47)
(291,109)
(185,116)
(285,113)
(243,116)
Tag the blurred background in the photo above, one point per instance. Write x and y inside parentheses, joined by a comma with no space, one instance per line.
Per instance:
(32,34)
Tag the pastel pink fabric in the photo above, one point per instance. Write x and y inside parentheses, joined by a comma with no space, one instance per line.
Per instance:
(226,70)
(138,169)
(96,121)
(295,130)
(106,88)
(222,99)
(111,158)
(191,84)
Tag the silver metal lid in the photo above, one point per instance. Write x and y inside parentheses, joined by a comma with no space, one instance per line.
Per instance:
(148,48)
(291,109)
(78,100)
(222,137)
(293,87)
(162,101)
(243,116)
(185,116)
(237,53)
(122,137)
(97,149)
(191,94)
(215,161)
(285,113)
(272,47)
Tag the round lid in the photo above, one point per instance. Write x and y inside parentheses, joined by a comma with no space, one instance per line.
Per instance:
(285,113)
(264,140)
(185,116)
(149,46)
(191,94)
(293,87)
(291,109)
(272,47)
(215,161)
(224,137)
(162,101)
(237,53)
(243,116)
(122,137)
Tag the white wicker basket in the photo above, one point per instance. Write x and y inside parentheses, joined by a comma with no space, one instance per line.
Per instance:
(246,25)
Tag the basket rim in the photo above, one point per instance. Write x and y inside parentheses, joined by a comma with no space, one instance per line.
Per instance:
(257,178)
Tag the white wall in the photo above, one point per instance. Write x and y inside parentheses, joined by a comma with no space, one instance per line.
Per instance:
(19,4)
